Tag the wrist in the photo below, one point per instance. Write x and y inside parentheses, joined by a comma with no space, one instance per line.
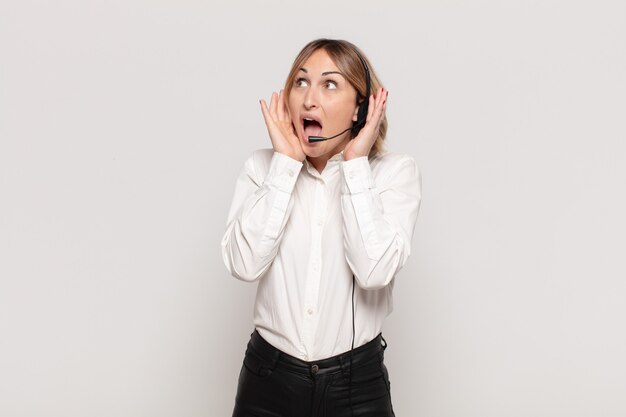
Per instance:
(348,156)
(299,158)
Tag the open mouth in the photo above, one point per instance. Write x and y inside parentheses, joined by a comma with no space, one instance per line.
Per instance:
(311,127)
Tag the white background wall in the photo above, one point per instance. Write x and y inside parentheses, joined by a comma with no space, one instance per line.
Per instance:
(123,125)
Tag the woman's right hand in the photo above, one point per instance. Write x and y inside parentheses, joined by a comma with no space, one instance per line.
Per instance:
(280,127)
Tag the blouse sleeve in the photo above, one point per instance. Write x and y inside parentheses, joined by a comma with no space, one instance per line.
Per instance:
(258,215)
(379,216)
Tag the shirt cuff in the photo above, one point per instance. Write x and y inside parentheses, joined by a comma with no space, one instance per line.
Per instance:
(283,172)
(358,175)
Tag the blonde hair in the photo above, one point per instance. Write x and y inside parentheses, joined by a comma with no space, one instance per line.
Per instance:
(344,55)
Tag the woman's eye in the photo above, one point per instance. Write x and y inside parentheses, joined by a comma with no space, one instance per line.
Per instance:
(301,82)
(331,85)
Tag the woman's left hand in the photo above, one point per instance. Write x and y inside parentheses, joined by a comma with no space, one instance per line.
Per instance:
(363,142)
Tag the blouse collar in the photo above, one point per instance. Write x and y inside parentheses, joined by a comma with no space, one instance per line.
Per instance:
(332,161)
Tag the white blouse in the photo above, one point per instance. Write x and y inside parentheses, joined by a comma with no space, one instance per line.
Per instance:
(301,235)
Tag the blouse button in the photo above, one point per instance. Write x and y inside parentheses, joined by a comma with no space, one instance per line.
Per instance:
(290,173)
(310,311)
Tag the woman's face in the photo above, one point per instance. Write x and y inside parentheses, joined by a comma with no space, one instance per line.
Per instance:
(322,103)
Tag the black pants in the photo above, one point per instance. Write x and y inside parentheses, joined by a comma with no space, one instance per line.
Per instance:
(274,384)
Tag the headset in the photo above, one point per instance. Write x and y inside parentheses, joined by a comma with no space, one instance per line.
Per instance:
(363,106)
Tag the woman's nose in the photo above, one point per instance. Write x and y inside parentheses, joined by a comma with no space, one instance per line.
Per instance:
(310,99)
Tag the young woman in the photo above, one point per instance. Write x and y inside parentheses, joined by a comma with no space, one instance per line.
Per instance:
(323,221)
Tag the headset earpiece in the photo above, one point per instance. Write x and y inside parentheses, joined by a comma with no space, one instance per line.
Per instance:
(364,106)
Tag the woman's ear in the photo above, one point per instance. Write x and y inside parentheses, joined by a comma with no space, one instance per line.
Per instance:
(356,113)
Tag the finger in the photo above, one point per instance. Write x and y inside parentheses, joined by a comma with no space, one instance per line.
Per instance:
(380,108)
(288,118)
(375,101)
(281,106)
(266,113)
(370,108)
(288,114)
(274,105)
(384,105)
(375,118)
(380,97)
(382,112)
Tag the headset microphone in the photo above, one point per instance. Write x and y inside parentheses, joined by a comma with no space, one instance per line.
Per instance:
(363,107)
(322,138)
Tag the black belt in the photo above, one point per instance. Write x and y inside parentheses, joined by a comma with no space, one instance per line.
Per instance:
(361,355)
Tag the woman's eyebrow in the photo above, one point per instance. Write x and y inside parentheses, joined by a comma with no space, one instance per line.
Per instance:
(324,73)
